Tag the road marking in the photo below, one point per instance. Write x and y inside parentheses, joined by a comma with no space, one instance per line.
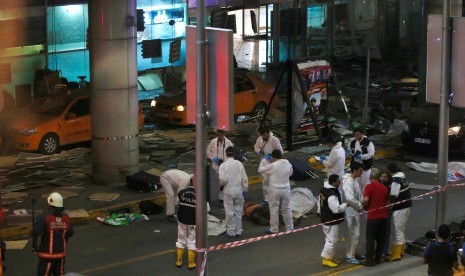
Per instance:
(338,270)
(129,261)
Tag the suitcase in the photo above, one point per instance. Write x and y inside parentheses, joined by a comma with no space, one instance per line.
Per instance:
(143,181)
(300,170)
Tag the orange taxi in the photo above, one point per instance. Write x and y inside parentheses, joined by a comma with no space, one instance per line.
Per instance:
(251,97)
(50,122)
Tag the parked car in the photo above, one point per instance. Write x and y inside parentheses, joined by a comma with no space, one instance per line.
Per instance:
(423,129)
(251,97)
(50,122)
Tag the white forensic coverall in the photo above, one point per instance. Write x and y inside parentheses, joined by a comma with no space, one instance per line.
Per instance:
(400,217)
(217,149)
(351,193)
(173,181)
(336,161)
(234,178)
(264,148)
(365,178)
(331,231)
(279,193)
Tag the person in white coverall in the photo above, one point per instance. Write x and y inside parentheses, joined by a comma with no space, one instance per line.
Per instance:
(400,195)
(336,160)
(279,171)
(235,182)
(173,181)
(352,194)
(216,152)
(331,211)
(362,151)
(264,146)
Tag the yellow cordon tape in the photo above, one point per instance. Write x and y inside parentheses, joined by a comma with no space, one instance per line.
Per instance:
(270,236)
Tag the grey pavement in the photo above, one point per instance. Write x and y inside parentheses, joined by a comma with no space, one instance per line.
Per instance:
(409,266)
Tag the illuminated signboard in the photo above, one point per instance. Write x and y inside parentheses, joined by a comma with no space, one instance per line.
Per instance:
(165,16)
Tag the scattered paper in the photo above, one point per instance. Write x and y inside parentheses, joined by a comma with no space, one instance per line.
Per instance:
(20,212)
(104,196)
(21,244)
(154,171)
(78,213)
(13,195)
(8,161)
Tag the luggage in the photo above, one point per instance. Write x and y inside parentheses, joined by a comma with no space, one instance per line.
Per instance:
(240,154)
(143,181)
(300,170)
(417,247)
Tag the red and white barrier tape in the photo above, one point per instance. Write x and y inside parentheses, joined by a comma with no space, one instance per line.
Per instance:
(270,236)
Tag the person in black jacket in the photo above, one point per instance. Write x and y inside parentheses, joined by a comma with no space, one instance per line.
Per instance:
(186,225)
(440,255)
(362,151)
(55,229)
(331,210)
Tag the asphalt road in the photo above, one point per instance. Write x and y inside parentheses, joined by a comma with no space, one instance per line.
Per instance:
(148,248)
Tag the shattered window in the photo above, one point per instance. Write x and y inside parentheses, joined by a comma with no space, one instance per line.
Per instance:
(53,106)
(80,107)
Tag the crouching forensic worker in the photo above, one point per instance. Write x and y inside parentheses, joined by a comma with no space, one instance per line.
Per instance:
(186,225)
(331,210)
(55,229)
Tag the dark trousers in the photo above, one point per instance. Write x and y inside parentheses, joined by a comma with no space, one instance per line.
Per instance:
(55,267)
(376,229)
(387,234)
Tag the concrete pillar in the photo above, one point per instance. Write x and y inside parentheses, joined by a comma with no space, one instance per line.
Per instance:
(114,106)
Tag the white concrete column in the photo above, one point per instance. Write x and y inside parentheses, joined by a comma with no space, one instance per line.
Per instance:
(114,106)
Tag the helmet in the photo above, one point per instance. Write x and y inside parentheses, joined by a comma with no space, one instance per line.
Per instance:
(55,199)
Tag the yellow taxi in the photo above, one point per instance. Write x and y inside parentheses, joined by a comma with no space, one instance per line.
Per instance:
(50,122)
(251,97)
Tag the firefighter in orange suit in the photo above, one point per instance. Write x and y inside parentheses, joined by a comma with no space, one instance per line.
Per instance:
(55,229)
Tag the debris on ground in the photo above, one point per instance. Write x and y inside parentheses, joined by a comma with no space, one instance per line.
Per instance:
(122,219)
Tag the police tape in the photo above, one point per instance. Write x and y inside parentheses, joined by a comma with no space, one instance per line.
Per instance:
(229,245)
(204,264)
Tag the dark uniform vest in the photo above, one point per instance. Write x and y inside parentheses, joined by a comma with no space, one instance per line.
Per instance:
(404,194)
(54,239)
(367,164)
(326,213)
(186,211)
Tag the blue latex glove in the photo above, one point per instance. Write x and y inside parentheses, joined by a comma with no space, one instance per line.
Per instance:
(245,194)
(322,157)
(358,156)
(268,157)
(216,160)
(350,152)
